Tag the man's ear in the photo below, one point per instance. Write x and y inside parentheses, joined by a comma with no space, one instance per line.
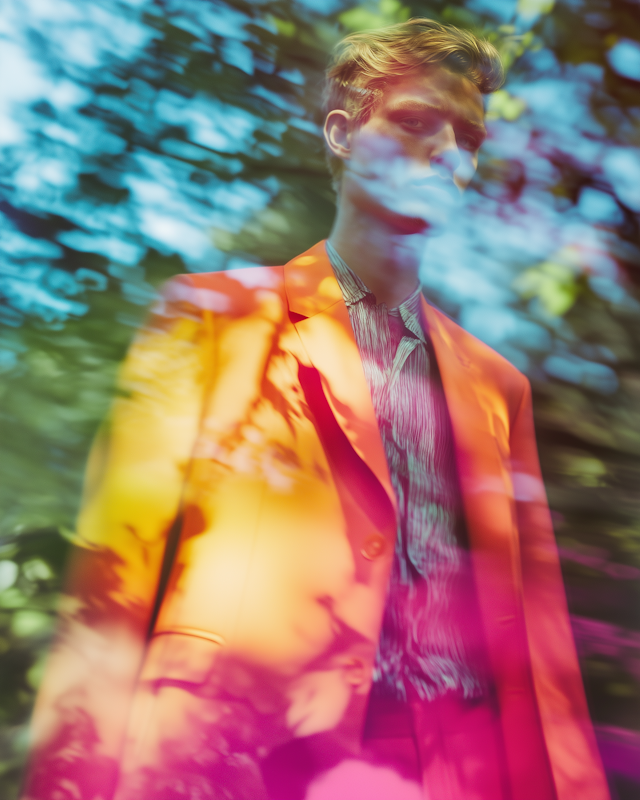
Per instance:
(337,133)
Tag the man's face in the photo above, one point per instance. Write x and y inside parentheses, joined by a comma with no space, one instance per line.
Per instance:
(411,160)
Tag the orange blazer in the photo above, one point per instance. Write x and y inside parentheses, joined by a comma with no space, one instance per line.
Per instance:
(245,415)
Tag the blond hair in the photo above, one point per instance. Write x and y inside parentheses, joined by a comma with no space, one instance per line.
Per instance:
(363,63)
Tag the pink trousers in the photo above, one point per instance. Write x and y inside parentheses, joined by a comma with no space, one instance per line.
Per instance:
(446,749)
(450,746)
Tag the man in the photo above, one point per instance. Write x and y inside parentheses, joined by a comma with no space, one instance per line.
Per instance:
(315,557)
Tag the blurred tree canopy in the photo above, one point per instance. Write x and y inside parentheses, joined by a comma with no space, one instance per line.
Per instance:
(142,138)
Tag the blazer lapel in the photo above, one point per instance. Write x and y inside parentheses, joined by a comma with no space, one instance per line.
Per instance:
(473,409)
(479,418)
(321,319)
(485,481)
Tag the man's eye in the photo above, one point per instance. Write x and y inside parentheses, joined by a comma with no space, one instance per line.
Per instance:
(413,122)
(468,142)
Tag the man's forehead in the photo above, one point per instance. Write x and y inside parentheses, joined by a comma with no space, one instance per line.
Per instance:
(435,88)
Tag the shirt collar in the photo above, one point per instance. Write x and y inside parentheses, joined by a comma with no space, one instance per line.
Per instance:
(354,290)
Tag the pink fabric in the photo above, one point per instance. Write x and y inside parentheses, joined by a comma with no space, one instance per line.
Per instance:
(359,780)
(461,750)
(461,754)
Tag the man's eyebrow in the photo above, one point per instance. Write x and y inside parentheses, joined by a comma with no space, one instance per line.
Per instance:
(418,106)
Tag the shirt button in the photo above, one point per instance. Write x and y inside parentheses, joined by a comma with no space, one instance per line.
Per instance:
(373,546)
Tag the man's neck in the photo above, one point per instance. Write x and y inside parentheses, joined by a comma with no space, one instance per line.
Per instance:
(385,260)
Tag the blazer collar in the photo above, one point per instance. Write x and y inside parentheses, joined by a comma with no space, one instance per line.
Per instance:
(310,284)
(321,318)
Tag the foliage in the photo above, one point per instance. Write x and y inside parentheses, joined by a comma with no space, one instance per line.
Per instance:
(149,137)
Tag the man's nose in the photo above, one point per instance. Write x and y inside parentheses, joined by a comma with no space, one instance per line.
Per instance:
(444,156)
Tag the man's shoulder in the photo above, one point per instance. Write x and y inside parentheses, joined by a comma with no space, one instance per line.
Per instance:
(234,291)
(249,278)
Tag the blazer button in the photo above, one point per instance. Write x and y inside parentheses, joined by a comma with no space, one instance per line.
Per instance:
(354,671)
(373,546)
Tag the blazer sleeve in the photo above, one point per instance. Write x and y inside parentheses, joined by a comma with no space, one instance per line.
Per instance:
(134,480)
(572,748)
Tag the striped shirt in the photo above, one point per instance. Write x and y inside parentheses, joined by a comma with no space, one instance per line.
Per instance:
(427,639)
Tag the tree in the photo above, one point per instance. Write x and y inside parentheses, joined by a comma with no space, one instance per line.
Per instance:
(150,137)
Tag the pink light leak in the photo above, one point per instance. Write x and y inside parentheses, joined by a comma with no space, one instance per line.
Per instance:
(357,780)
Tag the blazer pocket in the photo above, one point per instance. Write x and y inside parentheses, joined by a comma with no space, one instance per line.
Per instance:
(183,654)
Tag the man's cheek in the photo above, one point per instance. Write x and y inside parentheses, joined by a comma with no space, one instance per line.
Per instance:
(375,155)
